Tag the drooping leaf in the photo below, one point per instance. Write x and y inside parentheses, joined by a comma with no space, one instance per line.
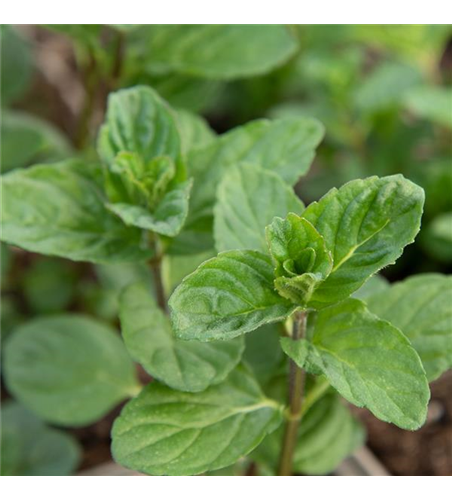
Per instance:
(219,51)
(30,448)
(68,369)
(227,296)
(369,362)
(167,218)
(300,256)
(365,225)
(138,121)
(248,198)
(163,431)
(328,433)
(59,210)
(184,365)
(421,308)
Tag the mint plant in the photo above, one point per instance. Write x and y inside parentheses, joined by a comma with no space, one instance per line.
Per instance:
(253,352)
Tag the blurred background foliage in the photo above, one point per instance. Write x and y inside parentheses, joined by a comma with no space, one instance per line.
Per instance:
(383,93)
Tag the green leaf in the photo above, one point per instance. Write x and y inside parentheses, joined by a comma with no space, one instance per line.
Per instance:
(300,257)
(16,65)
(248,198)
(436,239)
(163,431)
(263,353)
(138,121)
(167,218)
(328,433)
(284,146)
(86,34)
(30,448)
(184,365)
(369,362)
(431,103)
(27,140)
(194,131)
(421,307)
(49,285)
(385,87)
(227,296)
(365,225)
(68,369)
(374,285)
(219,51)
(59,210)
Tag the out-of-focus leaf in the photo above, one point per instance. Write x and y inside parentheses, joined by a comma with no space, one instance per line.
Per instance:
(437,237)
(68,369)
(431,103)
(194,131)
(219,51)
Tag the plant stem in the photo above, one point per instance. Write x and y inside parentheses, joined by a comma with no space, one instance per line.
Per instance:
(156,268)
(296,396)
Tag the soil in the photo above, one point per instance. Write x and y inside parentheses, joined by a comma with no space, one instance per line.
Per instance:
(426,452)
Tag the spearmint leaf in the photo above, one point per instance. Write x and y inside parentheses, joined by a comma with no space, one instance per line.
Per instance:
(68,369)
(300,257)
(138,121)
(431,103)
(184,365)
(194,131)
(285,146)
(27,140)
(16,64)
(227,296)
(163,431)
(167,218)
(370,363)
(219,51)
(374,285)
(365,225)
(328,433)
(248,198)
(421,308)
(59,209)
(30,448)
(262,352)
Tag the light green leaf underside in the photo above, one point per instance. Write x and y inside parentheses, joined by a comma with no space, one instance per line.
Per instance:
(163,431)
(421,307)
(365,225)
(369,362)
(138,121)
(227,296)
(30,448)
(328,433)
(184,365)
(167,219)
(68,369)
(59,210)
(219,51)
(248,198)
